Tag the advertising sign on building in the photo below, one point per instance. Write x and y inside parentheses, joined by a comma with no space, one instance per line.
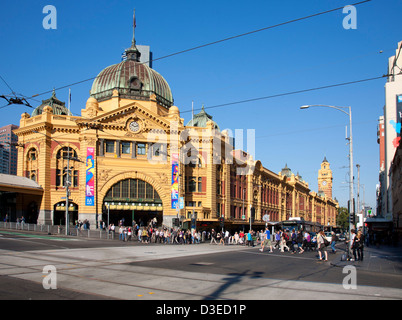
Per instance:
(175,181)
(90,178)
(398,115)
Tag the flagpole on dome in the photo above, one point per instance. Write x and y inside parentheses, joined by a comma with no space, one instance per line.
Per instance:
(69,101)
(134,25)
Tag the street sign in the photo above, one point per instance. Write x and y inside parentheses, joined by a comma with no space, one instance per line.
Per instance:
(181,203)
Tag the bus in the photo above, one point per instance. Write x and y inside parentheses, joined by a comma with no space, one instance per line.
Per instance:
(299,224)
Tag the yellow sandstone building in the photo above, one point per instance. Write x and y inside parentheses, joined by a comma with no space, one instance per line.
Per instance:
(130,155)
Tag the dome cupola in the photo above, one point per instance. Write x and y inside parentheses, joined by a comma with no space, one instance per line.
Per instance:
(132,79)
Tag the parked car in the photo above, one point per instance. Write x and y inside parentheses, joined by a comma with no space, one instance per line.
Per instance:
(328,236)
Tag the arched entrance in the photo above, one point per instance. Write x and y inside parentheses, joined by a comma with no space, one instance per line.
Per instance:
(32,213)
(132,199)
(59,213)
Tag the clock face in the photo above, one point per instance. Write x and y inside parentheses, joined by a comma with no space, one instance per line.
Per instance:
(324,183)
(134,126)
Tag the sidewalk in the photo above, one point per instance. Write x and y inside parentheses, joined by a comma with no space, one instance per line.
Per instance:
(384,259)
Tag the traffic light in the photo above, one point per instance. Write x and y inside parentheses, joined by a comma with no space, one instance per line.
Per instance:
(222,221)
(175,222)
(352,218)
(252,214)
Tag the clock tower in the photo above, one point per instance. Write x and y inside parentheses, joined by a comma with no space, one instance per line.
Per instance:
(325,178)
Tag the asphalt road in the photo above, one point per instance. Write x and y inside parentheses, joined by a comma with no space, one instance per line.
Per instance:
(89,269)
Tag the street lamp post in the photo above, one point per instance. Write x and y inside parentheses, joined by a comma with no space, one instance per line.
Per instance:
(349,114)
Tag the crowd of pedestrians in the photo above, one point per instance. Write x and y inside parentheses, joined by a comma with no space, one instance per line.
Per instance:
(293,241)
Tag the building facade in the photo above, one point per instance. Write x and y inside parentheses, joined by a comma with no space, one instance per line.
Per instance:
(392,117)
(8,140)
(396,181)
(129,156)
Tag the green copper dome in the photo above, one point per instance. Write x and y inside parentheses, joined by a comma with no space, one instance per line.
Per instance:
(201,119)
(59,108)
(133,80)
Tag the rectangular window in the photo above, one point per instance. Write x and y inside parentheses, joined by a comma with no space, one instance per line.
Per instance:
(199,184)
(125,147)
(141,149)
(75,178)
(109,146)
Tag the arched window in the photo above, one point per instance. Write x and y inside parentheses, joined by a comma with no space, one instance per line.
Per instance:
(132,190)
(31,165)
(65,174)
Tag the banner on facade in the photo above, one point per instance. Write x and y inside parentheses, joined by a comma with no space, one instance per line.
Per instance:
(175,181)
(90,177)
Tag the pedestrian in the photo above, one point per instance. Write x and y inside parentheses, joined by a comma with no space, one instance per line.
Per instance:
(333,241)
(277,239)
(350,247)
(213,236)
(249,237)
(293,237)
(307,241)
(360,245)
(357,246)
(129,234)
(283,244)
(227,235)
(139,234)
(219,238)
(321,245)
(266,240)
(299,239)
(144,235)
(121,235)
(236,238)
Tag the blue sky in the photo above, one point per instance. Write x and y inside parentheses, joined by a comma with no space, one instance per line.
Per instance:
(91,35)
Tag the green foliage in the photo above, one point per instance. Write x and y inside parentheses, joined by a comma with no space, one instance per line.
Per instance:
(342,219)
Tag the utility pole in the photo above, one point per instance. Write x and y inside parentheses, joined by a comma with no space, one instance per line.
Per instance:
(358,189)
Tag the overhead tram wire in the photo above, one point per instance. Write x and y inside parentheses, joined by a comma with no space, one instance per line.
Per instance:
(291,93)
(216,42)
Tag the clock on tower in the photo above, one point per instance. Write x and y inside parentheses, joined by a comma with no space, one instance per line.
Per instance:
(325,178)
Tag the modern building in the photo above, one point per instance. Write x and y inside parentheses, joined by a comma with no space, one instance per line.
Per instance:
(8,140)
(129,155)
(392,116)
(4,160)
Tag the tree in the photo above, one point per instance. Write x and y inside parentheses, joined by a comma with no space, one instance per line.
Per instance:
(342,218)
